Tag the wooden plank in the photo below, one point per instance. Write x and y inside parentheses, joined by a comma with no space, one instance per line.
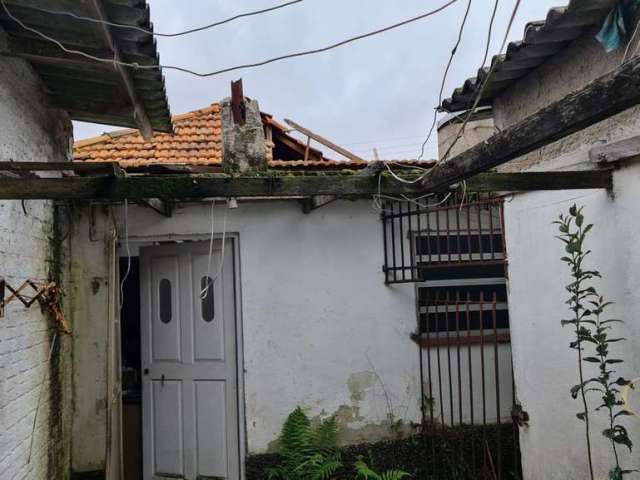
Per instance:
(336,148)
(531,181)
(184,187)
(604,97)
(79,167)
(626,149)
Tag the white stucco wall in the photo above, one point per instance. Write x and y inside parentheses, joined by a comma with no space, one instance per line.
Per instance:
(544,366)
(321,329)
(29,131)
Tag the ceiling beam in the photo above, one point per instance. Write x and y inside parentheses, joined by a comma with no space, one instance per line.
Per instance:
(185,187)
(604,97)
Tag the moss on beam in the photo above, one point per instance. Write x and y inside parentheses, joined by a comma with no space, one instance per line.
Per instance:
(188,187)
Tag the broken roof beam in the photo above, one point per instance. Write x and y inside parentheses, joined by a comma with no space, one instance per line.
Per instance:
(323,141)
(602,98)
(191,187)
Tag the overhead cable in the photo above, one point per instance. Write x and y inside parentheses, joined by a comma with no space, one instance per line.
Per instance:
(484,83)
(113,61)
(158,34)
(454,50)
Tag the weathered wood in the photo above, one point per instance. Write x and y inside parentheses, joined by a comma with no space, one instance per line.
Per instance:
(336,148)
(626,149)
(294,145)
(608,95)
(79,167)
(530,181)
(140,115)
(184,187)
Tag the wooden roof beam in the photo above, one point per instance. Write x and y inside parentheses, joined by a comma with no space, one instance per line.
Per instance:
(186,187)
(323,141)
(139,113)
(604,97)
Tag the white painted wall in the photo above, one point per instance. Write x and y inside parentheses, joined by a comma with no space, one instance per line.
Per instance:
(319,324)
(545,367)
(29,131)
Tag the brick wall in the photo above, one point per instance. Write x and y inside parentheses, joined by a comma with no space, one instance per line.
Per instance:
(30,131)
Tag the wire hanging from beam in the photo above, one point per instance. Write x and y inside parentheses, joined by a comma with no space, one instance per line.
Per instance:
(137,66)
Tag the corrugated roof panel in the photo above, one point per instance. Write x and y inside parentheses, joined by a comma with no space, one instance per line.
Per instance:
(541,40)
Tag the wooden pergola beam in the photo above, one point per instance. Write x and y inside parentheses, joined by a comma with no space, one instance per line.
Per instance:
(193,187)
(602,98)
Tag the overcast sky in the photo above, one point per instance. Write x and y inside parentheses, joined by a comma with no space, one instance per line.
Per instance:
(378,92)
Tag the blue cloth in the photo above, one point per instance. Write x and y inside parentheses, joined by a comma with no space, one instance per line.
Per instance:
(617,24)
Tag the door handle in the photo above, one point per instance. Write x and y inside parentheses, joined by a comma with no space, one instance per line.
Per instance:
(162,380)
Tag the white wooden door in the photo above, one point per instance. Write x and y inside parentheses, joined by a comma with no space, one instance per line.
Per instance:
(189,363)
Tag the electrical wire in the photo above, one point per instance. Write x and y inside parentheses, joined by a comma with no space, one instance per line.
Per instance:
(489,33)
(169,35)
(444,79)
(229,69)
(126,242)
(39,401)
(484,83)
(204,292)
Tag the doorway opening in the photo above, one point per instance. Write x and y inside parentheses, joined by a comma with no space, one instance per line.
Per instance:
(180,361)
(131,370)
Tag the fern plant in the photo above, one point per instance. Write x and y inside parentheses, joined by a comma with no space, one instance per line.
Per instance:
(308,453)
(363,472)
(587,307)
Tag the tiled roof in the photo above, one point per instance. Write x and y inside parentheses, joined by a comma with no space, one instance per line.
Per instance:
(197,141)
(541,40)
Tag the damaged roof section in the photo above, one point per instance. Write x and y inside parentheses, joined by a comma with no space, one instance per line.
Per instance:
(197,143)
(541,40)
(90,90)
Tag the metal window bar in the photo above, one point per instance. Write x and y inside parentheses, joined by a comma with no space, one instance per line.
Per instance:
(421,237)
(456,256)
(467,383)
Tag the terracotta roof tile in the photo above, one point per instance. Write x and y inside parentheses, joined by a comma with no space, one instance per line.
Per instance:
(197,141)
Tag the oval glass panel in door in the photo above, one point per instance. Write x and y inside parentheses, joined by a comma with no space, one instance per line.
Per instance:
(164,296)
(207,305)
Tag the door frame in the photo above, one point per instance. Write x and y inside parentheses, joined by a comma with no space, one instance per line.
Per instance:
(234,237)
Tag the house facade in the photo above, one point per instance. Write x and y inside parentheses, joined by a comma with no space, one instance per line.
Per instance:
(300,313)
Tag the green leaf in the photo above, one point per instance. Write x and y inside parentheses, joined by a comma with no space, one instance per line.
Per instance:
(591,359)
